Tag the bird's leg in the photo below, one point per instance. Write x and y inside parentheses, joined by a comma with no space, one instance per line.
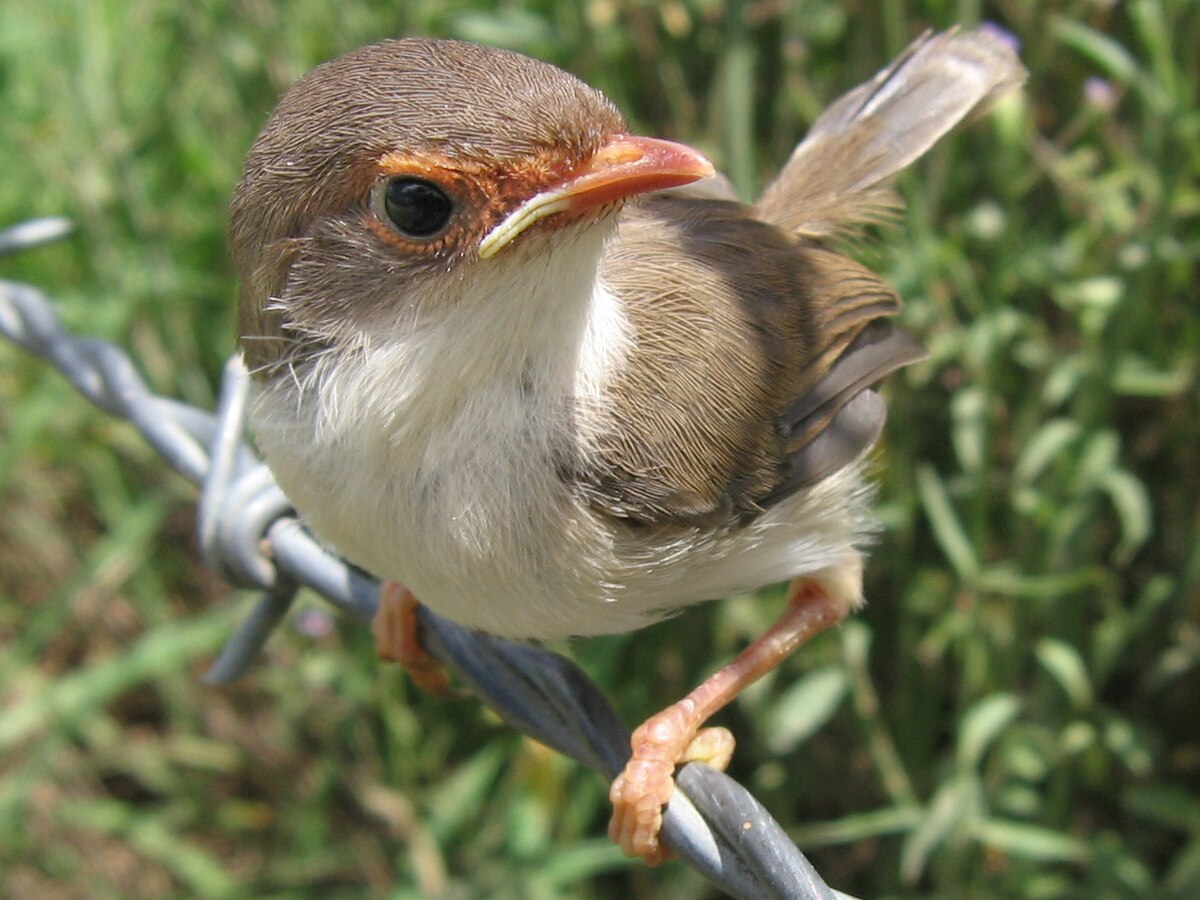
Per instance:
(674,736)
(398,639)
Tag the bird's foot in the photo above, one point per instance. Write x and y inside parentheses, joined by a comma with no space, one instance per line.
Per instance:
(640,792)
(397,633)
(674,736)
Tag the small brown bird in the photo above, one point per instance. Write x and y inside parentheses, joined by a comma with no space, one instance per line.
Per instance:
(501,361)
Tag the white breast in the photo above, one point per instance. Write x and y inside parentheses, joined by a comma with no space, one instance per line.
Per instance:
(432,455)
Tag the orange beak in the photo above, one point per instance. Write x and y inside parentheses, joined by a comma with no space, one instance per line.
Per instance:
(625,166)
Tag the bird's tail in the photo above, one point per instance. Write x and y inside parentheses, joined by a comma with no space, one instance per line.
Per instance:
(838,176)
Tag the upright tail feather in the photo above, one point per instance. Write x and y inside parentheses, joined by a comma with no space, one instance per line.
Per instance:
(838,176)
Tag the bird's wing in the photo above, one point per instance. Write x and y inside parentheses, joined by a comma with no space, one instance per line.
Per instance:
(747,369)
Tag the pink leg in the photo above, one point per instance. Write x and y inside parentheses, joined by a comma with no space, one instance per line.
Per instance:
(674,735)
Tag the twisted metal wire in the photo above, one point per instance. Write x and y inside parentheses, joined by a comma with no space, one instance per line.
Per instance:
(250,535)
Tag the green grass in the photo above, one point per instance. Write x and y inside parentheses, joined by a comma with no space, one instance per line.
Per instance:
(1014,714)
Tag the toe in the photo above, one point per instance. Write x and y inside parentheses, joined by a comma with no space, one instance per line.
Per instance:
(638,796)
(711,746)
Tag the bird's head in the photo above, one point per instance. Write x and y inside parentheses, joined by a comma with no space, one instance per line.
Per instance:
(389,180)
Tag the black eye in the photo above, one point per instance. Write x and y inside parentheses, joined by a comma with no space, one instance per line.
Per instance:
(418,208)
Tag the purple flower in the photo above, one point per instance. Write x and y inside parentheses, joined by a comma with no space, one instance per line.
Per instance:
(1100,93)
(314,623)
(1001,34)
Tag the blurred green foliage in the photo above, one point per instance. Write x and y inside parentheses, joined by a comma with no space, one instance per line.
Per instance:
(1014,714)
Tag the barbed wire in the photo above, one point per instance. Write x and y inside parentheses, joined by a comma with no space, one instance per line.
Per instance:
(249,534)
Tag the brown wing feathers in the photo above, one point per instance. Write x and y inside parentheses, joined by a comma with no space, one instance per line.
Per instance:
(748,344)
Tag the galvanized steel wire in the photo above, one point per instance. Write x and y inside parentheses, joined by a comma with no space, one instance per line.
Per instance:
(250,535)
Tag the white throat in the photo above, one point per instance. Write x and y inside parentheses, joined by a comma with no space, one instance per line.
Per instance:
(540,322)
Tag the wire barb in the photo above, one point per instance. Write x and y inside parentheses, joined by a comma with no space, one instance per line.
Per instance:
(249,534)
